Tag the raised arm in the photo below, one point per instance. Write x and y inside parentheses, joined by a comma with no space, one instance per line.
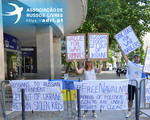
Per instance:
(79,71)
(123,55)
(99,69)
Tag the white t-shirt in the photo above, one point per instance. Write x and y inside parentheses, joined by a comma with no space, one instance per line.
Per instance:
(89,75)
(134,72)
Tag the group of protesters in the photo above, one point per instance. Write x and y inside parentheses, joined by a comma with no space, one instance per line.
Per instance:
(134,71)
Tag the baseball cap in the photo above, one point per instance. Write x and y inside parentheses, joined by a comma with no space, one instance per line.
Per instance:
(136,55)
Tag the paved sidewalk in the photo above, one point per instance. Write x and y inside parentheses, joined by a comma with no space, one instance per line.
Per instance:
(111,115)
(104,115)
(102,75)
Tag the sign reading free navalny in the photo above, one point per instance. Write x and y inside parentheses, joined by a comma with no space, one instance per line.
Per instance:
(128,40)
(103,94)
(40,95)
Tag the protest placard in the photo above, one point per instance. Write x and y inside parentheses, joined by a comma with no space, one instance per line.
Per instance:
(147,91)
(40,95)
(98,45)
(103,94)
(146,67)
(128,40)
(75,47)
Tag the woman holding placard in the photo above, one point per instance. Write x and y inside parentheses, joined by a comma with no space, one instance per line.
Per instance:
(89,74)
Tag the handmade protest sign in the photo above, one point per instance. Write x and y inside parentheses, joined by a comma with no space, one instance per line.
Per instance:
(40,95)
(75,47)
(103,94)
(146,67)
(98,45)
(128,40)
(147,91)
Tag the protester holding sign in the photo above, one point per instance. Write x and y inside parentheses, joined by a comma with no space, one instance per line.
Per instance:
(89,74)
(134,72)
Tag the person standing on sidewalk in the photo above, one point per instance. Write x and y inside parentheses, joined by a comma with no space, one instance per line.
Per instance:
(134,72)
(118,71)
(89,74)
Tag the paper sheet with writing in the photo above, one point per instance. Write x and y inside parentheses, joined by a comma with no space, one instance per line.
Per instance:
(40,95)
(127,40)
(75,47)
(103,94)
(147,91)
(98,46)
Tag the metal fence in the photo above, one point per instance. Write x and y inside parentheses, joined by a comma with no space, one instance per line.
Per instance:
(142,99)
(134,107)
(7,99)
(70,107)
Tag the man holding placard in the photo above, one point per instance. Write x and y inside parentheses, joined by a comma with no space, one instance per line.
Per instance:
(128,42)
(134,72)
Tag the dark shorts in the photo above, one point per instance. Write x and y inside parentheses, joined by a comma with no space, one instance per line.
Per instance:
(131,92)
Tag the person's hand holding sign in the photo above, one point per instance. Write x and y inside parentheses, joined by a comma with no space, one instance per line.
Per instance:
(99,69)
(79,71)
(74,61)
(100,62)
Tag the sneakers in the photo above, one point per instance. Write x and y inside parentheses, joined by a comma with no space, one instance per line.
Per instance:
(84,115)
(128,115)
(94,115)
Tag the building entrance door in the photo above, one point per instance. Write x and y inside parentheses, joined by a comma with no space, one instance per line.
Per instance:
(27,64)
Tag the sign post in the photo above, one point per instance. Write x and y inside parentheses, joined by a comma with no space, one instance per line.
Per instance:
(23,104)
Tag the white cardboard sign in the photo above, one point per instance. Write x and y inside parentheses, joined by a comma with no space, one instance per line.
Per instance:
(40,95)
(75,47)
(128,40)
(103,94)
(98,44)
(147,91)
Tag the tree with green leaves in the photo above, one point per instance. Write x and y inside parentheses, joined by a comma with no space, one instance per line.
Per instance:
(112,16)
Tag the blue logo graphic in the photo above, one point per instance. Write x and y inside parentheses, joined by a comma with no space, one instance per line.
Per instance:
(17,11)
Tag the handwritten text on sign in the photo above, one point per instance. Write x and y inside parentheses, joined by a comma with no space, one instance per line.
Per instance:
(40,95)
(98,46)
(105,95)
(75,47)
(147,91)
(147,61)
(127,40)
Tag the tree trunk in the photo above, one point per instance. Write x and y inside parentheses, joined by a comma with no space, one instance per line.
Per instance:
(68,67)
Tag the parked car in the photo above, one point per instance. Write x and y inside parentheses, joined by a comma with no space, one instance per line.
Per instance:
(124,70)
